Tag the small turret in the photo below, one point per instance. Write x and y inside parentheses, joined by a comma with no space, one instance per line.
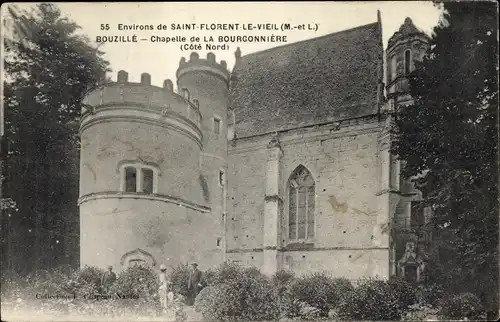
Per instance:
(207,80)
(210,65)
(406,46)
(407,30)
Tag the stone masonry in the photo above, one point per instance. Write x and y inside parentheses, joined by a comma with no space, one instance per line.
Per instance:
(283,163)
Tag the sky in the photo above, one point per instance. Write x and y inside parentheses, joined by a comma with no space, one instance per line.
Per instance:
(161,59)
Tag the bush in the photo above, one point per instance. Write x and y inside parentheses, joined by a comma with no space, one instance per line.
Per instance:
(84,282)
(49,282)
(238,294)
(321,291)
(404,292)
(420,312)
(259,298)
(375,300)
(429,294)
(282,280)
(177,306)
(61,281)
(306,311)
(208,278)
(90,275)
(137,282)
(179,278)
(137,286)
(227,272)
(459,306)
(343,287)
(218,303)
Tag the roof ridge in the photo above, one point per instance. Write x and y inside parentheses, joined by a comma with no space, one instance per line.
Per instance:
(311,39)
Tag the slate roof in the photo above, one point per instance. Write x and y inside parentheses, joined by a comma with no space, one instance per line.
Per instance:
(320,80)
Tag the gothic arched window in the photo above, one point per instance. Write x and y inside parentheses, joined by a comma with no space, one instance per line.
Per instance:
(301,197)
(407,62)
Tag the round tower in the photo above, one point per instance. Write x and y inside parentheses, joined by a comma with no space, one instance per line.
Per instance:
(406,46)
(207,81)
(141,199)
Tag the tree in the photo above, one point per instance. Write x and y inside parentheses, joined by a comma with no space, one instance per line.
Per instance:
(450,133)
(49,68)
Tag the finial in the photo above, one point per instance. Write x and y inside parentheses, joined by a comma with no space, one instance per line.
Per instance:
(168,85)
(183,61)
(408,27)
(122,77)
(379,19)
(194,56)
(211,57)
(237,53)
(145,79)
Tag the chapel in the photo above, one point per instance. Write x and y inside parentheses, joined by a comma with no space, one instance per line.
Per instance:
(282,163)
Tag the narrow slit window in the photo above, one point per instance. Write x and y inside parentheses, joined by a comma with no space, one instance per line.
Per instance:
(147,184)
(292,223)
(216,126)
(219,241)
(221,178)
(407,62)
(130,179)
(310,212)
(185,93)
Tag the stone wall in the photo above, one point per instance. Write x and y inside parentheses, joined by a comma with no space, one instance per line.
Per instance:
(344,162)
(171,232)
(106,145)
